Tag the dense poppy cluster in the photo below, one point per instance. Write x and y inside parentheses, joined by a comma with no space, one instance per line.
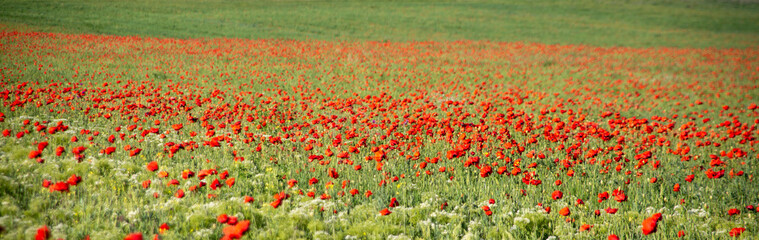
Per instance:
(331,120)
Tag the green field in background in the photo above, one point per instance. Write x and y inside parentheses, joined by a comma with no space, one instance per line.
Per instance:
(721,24)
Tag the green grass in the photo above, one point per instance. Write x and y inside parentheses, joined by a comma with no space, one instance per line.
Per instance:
(721,24)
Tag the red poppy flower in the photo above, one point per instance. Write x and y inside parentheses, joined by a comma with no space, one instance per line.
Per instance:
(564,211)
(206,172)
(585,227)
(41,146)
(109,150)
(292,182)
(60,187)
(163,228)
(385,212)
(223,218)
(237,230)
(556,195)
(733,211)
(501,170)
(172,182)
(59,151)
(232,220)
(711,174)
(278,198)
(393,202)
(333,173)
(313,181)
(621,197)
(179,193)
(736,232)
(43,233)
(78,150)
(134,236)
(215,184)
(187,174)
(603,196)
(325,196)
(74,180)
(34,154)
(134,152)
(487,211)
(485,171)
(649,224)
(690,178)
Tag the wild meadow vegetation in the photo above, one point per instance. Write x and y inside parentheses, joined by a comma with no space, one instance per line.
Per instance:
(632,23)
(379,120)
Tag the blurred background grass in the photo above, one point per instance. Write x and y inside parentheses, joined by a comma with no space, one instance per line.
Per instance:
(635,23)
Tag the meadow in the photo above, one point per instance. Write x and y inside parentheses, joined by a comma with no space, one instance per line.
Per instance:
(118,125)
(631,23)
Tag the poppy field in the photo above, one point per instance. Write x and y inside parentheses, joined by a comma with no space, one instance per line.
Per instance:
(126,137)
